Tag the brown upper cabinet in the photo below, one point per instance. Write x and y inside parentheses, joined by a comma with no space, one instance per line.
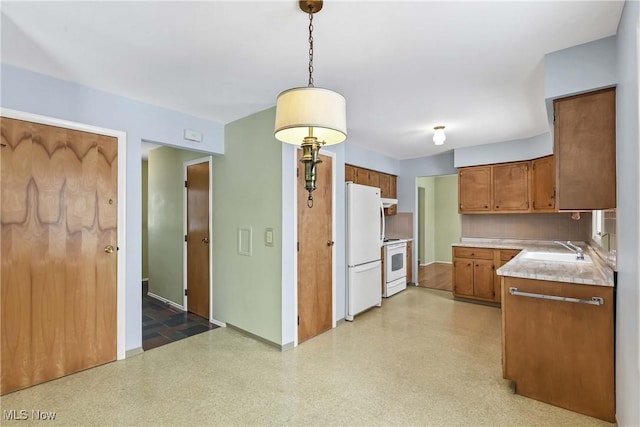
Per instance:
(543,184)
(516,187)
(511,187)
(474,189)
(585,149)
(387,183)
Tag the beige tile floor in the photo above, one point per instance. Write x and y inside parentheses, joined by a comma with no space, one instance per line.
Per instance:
(421,359)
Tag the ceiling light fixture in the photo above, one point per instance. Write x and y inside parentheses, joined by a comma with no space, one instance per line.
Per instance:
(310,116)
(439,136)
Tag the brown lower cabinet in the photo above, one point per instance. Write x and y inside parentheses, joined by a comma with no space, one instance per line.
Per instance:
(560,351)
(473,273)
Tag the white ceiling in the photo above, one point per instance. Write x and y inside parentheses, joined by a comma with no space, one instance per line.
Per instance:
(404,67)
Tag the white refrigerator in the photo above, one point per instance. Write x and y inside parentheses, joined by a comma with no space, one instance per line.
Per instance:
(365,235)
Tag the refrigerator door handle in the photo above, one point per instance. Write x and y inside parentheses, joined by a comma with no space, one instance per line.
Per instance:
(366,267)
(382,222)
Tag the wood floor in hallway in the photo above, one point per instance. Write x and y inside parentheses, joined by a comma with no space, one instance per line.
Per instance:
(420,359)
(437,275)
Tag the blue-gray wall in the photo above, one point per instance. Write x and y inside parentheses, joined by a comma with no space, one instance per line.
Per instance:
(35,93)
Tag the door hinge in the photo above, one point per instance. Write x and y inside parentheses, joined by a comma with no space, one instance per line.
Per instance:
(186,184)
(493,267)
(298,246)
(297,172)
(298,320)
(186,291)
(185,237)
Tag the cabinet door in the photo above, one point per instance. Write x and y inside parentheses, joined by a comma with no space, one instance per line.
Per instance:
(393,187)
(374,179)
(463,276)
(585,150)
(384,185)
(474,189)
(409,264)
(543,184)
(483,278)
(350,173)
(511,187)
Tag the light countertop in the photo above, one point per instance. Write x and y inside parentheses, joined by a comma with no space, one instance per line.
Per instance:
(596,273)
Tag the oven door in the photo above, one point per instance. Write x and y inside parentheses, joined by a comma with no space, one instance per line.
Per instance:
(394,262)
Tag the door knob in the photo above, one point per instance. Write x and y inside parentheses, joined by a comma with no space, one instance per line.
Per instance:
(108,249)
(330,242)
(205,240)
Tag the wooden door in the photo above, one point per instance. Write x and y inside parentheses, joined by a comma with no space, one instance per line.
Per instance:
(511,187)
(198,239)
(315,253)
(474,189)
(59,259)
(543,184)
(483,278)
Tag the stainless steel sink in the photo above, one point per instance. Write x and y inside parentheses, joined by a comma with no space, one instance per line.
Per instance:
(556,257)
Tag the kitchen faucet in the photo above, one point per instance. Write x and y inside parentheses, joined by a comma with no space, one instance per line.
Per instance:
(573,248)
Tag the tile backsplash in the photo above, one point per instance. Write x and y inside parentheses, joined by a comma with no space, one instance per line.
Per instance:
(548,226)
(399,226)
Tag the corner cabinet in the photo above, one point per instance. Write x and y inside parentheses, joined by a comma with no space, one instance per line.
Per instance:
(585,149)
(543,184)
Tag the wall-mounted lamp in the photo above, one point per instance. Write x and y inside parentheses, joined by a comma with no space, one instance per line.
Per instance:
(439,136)
(310,116)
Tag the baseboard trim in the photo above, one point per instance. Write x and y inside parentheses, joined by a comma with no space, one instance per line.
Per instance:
(166,301)
(270,343)
(436,262)
(218,323)
(133,352)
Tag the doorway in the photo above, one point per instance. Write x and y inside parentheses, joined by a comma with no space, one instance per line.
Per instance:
(438,227)
(169,314)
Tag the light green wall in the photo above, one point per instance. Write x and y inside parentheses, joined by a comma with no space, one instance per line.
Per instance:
(447,219)
(145,226)
(247,191)
(427,240)
(165,221)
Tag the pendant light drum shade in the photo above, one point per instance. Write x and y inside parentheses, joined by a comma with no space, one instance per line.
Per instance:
(301,108)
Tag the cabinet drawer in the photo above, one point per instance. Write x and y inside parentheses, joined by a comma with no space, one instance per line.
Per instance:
(508,254)
(478,253)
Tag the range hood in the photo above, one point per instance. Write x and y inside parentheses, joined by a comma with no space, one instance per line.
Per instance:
(386,203)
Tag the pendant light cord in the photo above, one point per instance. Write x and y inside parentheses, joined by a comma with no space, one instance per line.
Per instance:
(310,46)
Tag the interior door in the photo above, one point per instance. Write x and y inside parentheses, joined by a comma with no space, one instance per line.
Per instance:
(59,230)
(315,253)
(198,239)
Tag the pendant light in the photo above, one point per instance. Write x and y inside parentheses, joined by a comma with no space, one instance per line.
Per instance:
(310,116)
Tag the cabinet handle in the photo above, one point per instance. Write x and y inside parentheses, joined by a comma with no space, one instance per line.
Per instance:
(486,207)
(497,206)
(592,301)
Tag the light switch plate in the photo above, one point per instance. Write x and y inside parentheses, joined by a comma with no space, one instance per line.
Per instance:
(268,236)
